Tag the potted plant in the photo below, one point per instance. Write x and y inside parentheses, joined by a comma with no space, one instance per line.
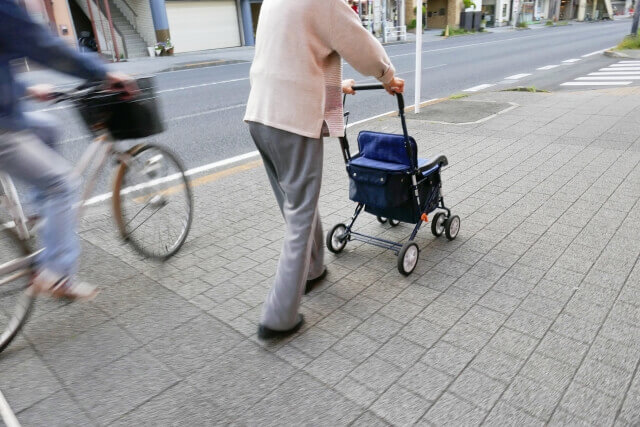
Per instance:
(164,48)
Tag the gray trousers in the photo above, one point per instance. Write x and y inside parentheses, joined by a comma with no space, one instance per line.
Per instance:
(294,168)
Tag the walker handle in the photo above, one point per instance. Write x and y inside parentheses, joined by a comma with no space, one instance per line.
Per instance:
(400,99)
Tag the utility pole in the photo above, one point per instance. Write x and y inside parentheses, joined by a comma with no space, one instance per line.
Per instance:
(418,84)
(636,17)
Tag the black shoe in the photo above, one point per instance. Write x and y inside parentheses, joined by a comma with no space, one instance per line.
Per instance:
(313,282)
(267,333)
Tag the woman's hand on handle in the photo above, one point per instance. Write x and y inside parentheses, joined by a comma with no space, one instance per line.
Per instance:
(347,87)
(396,85)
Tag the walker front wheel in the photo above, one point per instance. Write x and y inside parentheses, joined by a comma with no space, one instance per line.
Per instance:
(381,220)
(408,258)
(452,227)
(437,224)
(393,222)
(337,238)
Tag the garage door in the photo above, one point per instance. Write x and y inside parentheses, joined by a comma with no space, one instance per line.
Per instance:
(200,25)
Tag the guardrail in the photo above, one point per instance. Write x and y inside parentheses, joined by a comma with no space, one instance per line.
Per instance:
(400,33)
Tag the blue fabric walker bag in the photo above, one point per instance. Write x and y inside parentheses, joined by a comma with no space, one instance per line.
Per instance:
(380,176)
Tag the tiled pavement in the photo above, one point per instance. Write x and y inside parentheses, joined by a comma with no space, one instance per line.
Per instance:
(531,316)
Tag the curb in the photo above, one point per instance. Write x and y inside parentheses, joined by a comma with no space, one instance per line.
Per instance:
(203,64)
(628,53)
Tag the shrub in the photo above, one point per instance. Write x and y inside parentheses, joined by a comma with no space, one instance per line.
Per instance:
(629,42)
(549,23)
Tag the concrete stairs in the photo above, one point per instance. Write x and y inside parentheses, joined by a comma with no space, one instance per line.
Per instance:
(135,45)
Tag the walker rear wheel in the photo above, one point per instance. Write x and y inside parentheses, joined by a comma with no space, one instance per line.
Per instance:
(437,224)
(381,219)
(394,223)
(408,258)
(337,238)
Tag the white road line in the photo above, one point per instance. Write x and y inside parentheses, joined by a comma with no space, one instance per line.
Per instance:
(594,53)
(616,73)
(595,83)
(479,87)
(460,47)
(202,113)
(624,65)
(65,107)
(547,67)
(202,85)
(610,78)
(571,61)
(7,414)
(517,76)
(629,62)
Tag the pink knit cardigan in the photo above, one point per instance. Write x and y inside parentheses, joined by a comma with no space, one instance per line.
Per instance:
(296,75)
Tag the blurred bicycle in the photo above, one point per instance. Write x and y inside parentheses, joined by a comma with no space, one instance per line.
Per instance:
(152,202)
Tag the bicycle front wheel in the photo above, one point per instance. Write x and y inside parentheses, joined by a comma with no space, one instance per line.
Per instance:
(15,273)
(152,201)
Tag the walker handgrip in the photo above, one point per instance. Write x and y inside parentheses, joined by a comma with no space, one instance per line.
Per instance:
(368,87)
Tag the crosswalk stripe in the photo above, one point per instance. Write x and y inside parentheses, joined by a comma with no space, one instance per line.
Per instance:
(595,83)
(629,62)
(624,65)
(479,87)
(618,69)
(616,73)
(610,78)
(547,67)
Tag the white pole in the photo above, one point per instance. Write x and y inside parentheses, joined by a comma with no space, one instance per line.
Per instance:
(418,56)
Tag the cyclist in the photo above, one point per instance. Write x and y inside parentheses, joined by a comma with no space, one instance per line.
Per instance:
(25,146)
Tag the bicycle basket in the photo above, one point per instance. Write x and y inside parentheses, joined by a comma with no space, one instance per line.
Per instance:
(135,117)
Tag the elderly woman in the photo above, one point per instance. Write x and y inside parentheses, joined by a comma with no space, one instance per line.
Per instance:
(295,100)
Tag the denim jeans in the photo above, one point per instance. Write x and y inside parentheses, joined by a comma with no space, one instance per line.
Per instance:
(28,156)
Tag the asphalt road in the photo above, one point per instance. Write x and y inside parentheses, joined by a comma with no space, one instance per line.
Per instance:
(203,107)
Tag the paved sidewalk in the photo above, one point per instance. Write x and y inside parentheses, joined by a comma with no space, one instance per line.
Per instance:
(531,316)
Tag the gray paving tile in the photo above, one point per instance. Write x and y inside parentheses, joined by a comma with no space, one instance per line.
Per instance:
(29,382)
(532,397)
(376,374)
(357,392)
(422,332)
(119,387)
(590,404)
(477,388)
(289,403)
(496,364)
(77,357)
(399,406)
(513,343)
(448,358)
(233,391)
(467,336)
(194,344)
(529,323)
(596,375)
(157,317)
(59,407)
(425,381)
(330,367)
(369,419)
(356,347)
(401,352)
(379,327)
(547,371)
(451,410)
(503,414)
